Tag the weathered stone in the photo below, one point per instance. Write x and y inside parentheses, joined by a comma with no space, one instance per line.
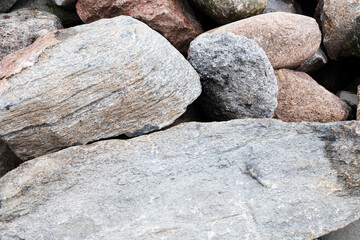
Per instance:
(89,82)
(314,63)
(226,11)
(358,107)
(350,98)
(5,5)
(172,18)
(67,16)
(290,6)
(350,232)
(8,160)
(301,98)
(65,3)
(237,78)
(244,179)
(21,28)
(288,39)
(340,23)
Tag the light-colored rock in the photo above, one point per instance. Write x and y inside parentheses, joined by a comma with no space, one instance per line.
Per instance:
(340,23)
(301,98)
(8,160)
(226,11)
(288,39)
(350,232)
(172,18)
(290,6)
(65,3)
(94,81)
(348,97)
(244,179)
(5,5)
(237,78)
(67,16)
(21,28)
(314,63)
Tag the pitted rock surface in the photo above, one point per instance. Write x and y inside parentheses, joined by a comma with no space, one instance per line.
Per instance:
(243,179)
(94,81)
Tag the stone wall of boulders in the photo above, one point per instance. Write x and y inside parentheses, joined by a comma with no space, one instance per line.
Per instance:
(82,80)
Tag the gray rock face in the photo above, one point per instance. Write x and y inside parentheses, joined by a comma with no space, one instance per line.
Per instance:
(5,5)
(237,78)
(244,179)
(67,16)
(89,82)
(350,232)
(290,6)
(21,28)
(314,63)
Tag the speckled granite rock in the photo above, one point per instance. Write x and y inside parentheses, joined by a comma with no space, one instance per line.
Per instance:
(8,160)
(172,18)
(67,16)
(350,232)
(288,39)
(314,63)
(237,78)
(21,28)
(291,6)
(226,11)
(89,82)
(340,22)
(5,5)
(243,179)
(301,98)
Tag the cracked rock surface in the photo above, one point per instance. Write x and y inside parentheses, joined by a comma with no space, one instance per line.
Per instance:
(94,81)
(242,179)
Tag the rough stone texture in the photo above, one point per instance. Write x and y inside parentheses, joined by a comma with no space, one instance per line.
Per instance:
(21,28)
(290,6)
(237,78)
(350,232)
(288,39)
(89,82)
(314,63)
(227,11)
(245,179)
(358,107)
(5,5)
(68,17)
(172,18)
(301,98)
(340,23)
(8,160)
(65,3)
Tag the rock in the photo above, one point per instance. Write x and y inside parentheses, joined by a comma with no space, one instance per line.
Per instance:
(5,5)
(244,179)
(340,23)
(350,98)
(93,81)
(8,160)
(68,17)
(288,39)
(21,28)
(237,78)
(290,6)
(350,232)
(227,11)
(64,3)
(172,18)
(314,63)
(301,98)
(358,107)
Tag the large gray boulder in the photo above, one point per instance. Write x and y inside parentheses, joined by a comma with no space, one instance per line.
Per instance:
(94,81)
(21,28)
(5,5)
(244,179)
(237,77)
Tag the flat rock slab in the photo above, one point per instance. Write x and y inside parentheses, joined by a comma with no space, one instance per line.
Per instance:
(288,39)
(243,179)
(174,19)
(73,86)
(21,28)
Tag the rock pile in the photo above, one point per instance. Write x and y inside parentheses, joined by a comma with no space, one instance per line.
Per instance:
(94,135)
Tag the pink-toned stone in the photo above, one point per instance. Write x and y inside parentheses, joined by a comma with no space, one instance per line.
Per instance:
(301,98)
(288,39)
(172,18)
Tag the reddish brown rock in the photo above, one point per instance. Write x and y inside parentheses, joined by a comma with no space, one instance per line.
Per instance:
(358,107)
(288,39)
(172,18)
(301,98)
(340,23)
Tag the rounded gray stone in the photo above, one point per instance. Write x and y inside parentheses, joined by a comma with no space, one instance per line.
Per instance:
(237,78)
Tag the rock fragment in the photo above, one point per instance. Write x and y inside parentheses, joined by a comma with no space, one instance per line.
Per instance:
(314,63)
